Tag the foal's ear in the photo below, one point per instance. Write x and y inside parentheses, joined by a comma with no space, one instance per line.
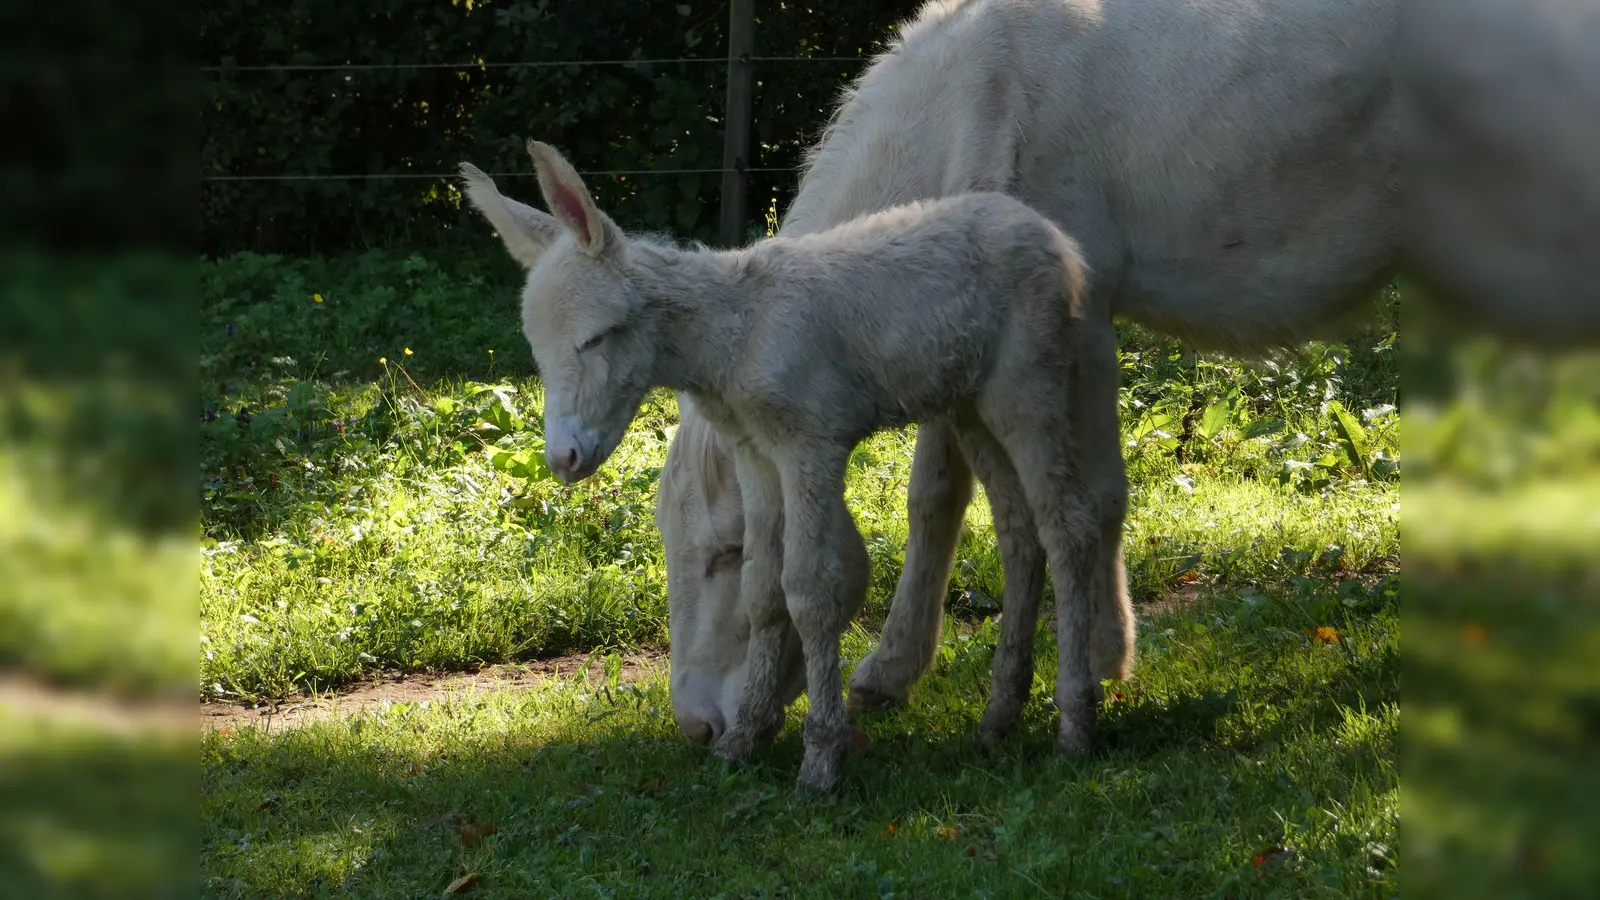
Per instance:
(525,231)
(570,201)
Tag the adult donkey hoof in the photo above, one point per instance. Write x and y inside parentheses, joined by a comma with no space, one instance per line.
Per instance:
(867,699)
(1076,741)
(874,686)
(998,719)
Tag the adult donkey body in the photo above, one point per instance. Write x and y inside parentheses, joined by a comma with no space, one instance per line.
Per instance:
(1230,170)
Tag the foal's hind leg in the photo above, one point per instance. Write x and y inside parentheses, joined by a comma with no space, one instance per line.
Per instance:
(941,490)
(1023,561)
(1057,420)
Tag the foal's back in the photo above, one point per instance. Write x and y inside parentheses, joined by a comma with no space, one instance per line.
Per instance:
(895,317)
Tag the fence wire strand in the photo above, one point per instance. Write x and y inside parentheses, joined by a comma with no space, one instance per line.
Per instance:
(388,176)
(533,64)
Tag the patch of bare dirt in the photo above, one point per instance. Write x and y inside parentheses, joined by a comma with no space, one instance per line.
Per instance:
(30,697)
(402,688)
(1183,598)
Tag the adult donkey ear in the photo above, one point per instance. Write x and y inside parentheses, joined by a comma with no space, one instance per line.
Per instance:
(525,231)
(569,200)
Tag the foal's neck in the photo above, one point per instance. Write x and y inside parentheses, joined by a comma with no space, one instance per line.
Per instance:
(701,301)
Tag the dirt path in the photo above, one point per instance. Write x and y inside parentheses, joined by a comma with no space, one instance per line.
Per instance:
(392,688)
(24,695)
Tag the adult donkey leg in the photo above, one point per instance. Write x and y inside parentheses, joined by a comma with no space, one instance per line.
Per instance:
(1023,560)
(823,591)
(760,712)
(1113,629)
(941,490)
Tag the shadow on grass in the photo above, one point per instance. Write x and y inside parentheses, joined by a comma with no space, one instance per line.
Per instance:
(649,815)
(1502,741)
(562,790)
(89,815)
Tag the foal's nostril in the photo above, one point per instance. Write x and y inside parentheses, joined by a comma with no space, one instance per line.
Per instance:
(572,460)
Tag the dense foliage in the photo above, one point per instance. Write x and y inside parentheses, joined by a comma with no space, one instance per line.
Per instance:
(373,492)
(423,121)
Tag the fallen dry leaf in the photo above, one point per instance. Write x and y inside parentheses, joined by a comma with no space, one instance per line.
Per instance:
(1324,634)
(889,829)
(472,833)
(268,803)
(946,832)
(1190,577)
(859,741)
(223,732)
(1270,856)
(972,850)
(461,884)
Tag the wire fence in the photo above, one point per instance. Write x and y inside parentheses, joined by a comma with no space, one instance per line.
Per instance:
(531,64)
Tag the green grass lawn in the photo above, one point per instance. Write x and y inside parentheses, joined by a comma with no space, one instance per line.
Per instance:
(373,499)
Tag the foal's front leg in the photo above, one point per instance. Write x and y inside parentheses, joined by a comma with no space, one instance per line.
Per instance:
(823,591)
(760,712)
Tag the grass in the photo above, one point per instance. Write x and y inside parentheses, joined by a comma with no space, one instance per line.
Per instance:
(373,499)
(1241,736)
(97,555)
(1502,621)
(91,813)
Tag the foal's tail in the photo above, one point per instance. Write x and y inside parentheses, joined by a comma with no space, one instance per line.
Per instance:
(1076,269)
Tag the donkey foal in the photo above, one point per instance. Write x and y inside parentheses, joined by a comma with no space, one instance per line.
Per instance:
(963,311)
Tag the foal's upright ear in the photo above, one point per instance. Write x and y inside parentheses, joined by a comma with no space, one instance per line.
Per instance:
(570,200)
(525,231)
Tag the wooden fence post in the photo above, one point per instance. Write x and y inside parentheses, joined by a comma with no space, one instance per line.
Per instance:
(736,118)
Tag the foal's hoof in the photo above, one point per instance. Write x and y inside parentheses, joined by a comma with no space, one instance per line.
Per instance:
(819,774)
(736,745)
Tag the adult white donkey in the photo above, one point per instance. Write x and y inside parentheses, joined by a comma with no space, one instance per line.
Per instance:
(964,310)
(1229,169)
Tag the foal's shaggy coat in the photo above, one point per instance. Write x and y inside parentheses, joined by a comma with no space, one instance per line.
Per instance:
(963,310)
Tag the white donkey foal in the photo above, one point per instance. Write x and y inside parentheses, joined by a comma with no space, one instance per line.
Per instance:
(963,310)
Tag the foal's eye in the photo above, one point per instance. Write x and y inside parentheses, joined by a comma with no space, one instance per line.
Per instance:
(593,342)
